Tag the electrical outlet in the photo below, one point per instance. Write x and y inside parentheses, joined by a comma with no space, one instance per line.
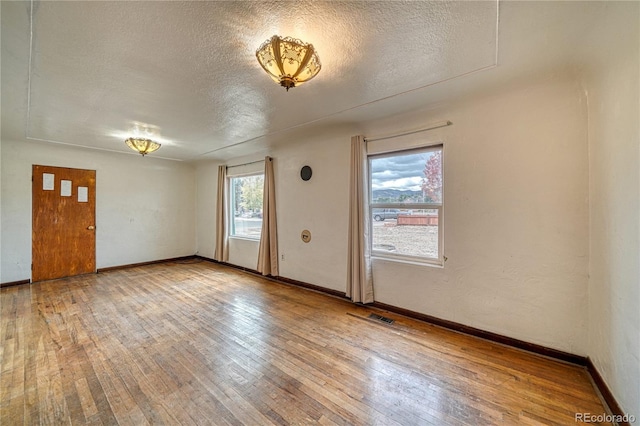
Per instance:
(282,257)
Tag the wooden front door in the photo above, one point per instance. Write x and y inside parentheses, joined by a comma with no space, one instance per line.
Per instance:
(63,231)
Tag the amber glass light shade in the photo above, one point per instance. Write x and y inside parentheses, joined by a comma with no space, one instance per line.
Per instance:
(142,146)
(288,61)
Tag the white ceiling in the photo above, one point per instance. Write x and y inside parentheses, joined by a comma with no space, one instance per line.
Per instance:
(82,73)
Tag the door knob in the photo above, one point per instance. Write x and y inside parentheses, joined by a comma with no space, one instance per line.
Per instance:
(91,227)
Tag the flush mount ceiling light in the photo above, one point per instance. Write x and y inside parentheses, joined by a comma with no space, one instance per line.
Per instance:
(288,61)
(142,145)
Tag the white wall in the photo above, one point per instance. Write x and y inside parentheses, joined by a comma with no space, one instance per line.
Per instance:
(243,252)
(145,207)
(612,83)
(516,215)
(206,192)
(320,205)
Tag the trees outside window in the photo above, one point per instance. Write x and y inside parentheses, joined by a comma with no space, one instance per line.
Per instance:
(246,206)
(406,205)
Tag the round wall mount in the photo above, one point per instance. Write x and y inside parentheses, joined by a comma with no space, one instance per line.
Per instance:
(305,173)
(306,236)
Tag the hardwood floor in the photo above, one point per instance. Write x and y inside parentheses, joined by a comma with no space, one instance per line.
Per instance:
(199,343)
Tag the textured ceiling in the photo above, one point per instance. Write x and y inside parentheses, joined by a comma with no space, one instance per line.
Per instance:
(83,73)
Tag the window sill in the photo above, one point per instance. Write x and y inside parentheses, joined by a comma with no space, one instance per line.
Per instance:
(435,263)
(236,237)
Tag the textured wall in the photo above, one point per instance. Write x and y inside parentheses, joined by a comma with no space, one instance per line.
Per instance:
(613,87)
(145,207)
(319,205)
(206,190)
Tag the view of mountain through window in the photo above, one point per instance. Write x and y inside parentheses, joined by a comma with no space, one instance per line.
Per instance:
(406,204)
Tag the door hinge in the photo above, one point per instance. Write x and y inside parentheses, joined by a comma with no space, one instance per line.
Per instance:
(32,266)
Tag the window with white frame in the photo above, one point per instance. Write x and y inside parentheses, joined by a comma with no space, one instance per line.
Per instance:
(245,203)
(406,202)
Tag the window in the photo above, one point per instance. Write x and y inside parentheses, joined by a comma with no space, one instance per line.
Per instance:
(406,205)
(246,206)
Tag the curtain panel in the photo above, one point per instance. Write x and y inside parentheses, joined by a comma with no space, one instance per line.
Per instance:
(359,274)
(268,250)
(222,239)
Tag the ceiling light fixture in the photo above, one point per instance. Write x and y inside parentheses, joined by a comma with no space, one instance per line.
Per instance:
(142,145)
(288,61)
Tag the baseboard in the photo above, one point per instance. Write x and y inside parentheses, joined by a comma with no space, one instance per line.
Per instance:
(494,337)
(230,265)
(487,335)
(599,383)
(12,283)
(282,280)
(152,262)
(606,394)
(331,292)
(113,268)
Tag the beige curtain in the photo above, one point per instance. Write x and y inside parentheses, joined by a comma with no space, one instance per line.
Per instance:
(268,250)
(222,239)
(359,275)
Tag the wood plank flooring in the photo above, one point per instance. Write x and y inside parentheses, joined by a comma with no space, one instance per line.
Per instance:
(199,343)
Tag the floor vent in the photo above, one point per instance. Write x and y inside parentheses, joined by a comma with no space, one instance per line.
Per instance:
(381,318)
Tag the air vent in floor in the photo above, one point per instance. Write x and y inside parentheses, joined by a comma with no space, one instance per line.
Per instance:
(381,318)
